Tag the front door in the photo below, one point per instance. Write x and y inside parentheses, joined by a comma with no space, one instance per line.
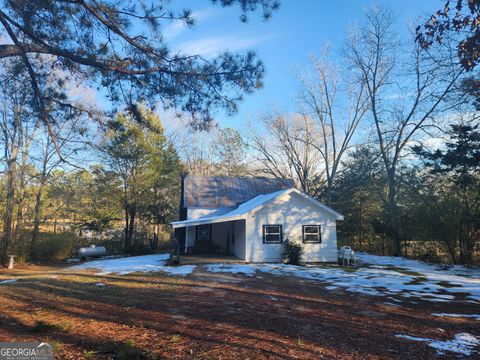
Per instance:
(203,243)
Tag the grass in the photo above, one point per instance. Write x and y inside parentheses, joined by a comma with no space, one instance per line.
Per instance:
(146,324)
(90,354)
(417,280)
(175,338)
(349,269)
(403,271)
(43,327)
(126,350)
(447,284)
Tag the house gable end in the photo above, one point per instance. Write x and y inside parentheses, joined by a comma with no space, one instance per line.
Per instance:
(307,201)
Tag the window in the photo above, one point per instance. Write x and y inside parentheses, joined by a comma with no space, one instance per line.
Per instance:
(311,234)
(272,234)
(203,232)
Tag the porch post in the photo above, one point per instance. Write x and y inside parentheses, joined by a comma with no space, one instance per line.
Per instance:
(186,239)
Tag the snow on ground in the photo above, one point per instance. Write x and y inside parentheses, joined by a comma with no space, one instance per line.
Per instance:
(247,270)
(8,281)
(450,279)
(379,275)
(471,316)
(127,265)
(463,343)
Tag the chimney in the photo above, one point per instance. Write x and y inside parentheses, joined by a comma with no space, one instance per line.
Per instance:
(182,208)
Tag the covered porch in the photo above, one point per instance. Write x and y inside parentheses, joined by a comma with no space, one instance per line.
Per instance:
(198,259)
(226,238)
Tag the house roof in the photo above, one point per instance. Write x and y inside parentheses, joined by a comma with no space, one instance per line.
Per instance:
(215,192)
(257,202)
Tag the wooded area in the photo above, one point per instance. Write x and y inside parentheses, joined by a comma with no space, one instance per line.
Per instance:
(389,135)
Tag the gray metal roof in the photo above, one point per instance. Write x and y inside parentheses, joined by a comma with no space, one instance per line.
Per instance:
(220,191)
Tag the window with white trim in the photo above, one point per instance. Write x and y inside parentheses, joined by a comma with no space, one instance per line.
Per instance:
(312,233)
(272,234)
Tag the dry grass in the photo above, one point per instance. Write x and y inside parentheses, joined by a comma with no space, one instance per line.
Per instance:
(213,316)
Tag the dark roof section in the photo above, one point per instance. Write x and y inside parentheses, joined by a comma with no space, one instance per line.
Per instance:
(220,191)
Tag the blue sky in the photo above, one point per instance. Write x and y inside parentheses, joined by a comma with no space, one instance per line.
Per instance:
(297,29)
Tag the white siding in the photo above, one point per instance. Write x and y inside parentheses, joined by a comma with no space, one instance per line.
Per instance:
(239,247)
(291,211)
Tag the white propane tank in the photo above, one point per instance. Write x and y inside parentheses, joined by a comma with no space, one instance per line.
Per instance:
(92,251)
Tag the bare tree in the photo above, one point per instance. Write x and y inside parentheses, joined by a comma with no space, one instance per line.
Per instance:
(13,113)
(195,148)
(336,109)
(217,152)
(285,149)
(68,133)
(406,89)
(230,151)
(26,135)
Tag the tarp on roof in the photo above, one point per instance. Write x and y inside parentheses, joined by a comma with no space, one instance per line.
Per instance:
(215,192)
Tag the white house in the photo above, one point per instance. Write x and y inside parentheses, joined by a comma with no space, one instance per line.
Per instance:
(251,217)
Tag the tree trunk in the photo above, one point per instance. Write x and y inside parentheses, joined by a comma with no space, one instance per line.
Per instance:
(328,199)
(20,197)
(131,225)
(8,239)
(36,222)
(127,239)
(361,224)
(393,216)
(11,152)
(37,211)
(21,186)
(466,243)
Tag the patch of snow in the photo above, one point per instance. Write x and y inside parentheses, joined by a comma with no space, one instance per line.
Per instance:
(182,270)
(472,316)
(382,276)
(391,304)
(396,300)
(413,338)
(127,265)
(99,284)
(247,270)
(8,281)
(462,343)
(459,279)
